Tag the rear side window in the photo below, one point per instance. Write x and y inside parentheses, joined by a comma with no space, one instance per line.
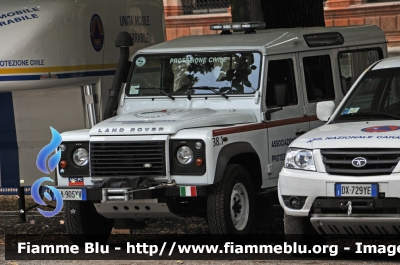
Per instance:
(318,77)
(281,76)
(353,63)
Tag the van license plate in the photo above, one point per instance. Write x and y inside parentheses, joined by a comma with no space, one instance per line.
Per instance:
(73,194)
(356,190)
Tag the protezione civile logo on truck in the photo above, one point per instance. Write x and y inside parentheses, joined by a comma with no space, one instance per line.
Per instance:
(46,162)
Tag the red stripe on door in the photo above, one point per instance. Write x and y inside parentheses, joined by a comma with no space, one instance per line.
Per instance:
(263,125)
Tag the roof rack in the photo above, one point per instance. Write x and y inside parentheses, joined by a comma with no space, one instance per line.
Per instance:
(248,27)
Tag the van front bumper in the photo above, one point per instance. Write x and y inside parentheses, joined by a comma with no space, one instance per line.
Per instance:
(155,202)
(312,185)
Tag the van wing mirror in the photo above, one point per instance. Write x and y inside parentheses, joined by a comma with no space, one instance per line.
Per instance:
(325,110)
(280,98)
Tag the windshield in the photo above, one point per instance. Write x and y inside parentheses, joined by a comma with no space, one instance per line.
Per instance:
(194,74)
(376,97)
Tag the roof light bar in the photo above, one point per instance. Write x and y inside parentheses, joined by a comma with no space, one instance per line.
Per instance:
(239,26)
(324,39)
(216,27)
(253,25)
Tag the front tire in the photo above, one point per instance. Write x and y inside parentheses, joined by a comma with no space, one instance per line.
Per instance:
(84,224)
(231,204)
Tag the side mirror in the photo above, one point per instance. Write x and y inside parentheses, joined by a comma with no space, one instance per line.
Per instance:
(280,95)
(325,110)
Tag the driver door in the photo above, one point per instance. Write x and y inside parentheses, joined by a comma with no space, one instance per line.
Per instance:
(288,123)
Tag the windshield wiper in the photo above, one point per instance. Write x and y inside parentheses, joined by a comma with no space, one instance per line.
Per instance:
(213,89)
(163,92)
(372,114)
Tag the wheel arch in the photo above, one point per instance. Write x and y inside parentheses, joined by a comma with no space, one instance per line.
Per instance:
(241,153)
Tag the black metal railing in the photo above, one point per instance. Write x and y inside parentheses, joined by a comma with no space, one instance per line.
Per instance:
(205,6)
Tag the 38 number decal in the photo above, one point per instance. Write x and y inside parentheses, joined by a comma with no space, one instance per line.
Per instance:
(218,141)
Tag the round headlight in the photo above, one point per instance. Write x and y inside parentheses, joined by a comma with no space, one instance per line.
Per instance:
(302,158)
(184,155)
(299,159)
(62,147)
(80,157)
(199,145)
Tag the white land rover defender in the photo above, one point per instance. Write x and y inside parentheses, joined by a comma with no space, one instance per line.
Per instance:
(203,124)
(343,178)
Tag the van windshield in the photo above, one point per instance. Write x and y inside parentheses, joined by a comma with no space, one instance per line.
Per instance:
(194,74)
(376,97)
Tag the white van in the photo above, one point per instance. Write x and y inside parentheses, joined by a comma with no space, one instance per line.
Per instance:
(343,178)
(203,124)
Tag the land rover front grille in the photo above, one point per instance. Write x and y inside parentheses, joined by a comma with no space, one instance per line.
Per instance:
(127,159)
(378,161)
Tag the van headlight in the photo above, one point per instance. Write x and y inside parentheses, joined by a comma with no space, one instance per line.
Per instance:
(80,157)
(300,159)
(184,155)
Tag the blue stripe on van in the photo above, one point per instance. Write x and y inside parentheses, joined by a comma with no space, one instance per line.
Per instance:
(59,76)
(9,163)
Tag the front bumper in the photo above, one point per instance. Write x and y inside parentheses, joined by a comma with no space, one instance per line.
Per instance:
(356,225)
(329,214)
(152,202)
(320,184)
(368,216)
(95,194)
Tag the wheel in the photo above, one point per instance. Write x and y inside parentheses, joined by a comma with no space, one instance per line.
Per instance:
(231,204)
(300,230)
(84,224)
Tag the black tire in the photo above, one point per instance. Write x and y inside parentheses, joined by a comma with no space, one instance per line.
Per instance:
(84,224)
(300,230)
(225,197)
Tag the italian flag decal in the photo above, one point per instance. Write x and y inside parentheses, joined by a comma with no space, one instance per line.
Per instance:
(188,191)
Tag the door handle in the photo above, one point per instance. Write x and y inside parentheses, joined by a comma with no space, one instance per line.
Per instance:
(300,133)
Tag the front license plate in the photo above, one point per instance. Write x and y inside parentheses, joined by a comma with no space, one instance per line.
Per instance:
(356,190)
(73,194)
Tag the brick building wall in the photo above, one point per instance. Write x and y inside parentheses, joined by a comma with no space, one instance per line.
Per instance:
(337,13)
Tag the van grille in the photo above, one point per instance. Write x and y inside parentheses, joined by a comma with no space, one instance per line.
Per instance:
(379,161)
(127,159)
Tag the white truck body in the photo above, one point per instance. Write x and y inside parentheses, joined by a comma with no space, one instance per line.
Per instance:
(233,132)
(354,187)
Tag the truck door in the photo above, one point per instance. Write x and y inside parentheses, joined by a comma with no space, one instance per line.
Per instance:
(286,124)
(317,82)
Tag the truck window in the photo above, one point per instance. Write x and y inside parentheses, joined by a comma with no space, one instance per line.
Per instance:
(195,74)
(318,78)
(281,75)
(376,97)
(353,63)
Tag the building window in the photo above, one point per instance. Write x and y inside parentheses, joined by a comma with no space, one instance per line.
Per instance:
(205,6)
